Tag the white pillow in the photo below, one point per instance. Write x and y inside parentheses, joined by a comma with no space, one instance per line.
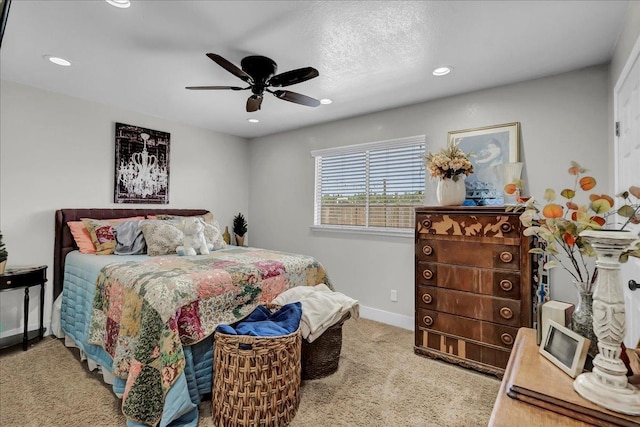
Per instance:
(162,237)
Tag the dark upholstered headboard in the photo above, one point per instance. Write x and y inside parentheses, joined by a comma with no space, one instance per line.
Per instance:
(64,242)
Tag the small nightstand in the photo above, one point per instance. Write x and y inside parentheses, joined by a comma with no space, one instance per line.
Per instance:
(24,277)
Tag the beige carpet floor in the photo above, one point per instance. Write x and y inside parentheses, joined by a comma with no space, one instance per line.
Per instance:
(380,382)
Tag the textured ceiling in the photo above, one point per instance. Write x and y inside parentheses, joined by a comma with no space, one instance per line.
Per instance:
(371,55)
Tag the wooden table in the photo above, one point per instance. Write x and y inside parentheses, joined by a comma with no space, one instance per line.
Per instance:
(25,277)
(543,395)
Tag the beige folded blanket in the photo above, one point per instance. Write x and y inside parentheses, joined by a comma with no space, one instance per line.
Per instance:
(321,308)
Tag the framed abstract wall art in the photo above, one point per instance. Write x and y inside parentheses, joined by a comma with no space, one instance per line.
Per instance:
(142,165)
(488,147)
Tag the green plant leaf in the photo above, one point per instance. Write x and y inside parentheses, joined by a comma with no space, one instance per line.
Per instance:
(626,211)
(550,264)
(568,193)
(536,251)
(549,195)
(624,194)
(600,206)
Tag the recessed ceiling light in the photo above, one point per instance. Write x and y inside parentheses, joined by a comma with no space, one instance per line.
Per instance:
(57,61)
(122,4)
(252,120)
(325,101)
(442,71)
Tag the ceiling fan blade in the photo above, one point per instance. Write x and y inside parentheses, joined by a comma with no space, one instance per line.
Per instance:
(253,103)
(229,67)
(296,97)
(216,87)
(294,76)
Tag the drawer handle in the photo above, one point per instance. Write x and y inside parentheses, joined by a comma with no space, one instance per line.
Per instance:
(506,227)
(427,274)
(506,256)
(427,298)
(506,313)
(506,339)
(427,250)
(426,223)
(428,320)
(506,285)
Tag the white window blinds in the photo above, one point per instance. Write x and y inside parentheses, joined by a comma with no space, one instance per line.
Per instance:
(370,186)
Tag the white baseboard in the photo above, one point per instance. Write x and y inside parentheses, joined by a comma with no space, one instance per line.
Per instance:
(394,319)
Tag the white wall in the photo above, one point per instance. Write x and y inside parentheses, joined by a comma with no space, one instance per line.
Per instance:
(562,118)
(629,33)
(627,40)
(58,152)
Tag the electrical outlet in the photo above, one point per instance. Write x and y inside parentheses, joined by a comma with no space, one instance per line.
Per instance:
(394,295)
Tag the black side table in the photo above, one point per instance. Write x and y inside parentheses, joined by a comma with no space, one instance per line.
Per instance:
(25,277)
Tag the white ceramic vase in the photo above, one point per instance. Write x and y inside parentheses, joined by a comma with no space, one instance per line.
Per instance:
(451,192)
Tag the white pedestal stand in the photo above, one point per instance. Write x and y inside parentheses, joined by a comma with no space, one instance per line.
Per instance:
(607,384)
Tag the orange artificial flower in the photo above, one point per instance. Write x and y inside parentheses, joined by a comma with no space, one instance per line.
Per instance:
(587,183)
(553,211)
(510,188)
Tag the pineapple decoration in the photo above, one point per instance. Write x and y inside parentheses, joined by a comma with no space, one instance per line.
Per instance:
(3,255)
(239,228)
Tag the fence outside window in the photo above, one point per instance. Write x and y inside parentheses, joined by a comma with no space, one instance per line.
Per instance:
(370,186)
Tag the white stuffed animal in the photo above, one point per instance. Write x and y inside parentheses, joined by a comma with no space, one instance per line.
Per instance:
(194,241)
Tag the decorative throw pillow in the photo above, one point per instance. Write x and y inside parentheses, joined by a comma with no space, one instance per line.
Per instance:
(129,238)
(213,235)
(208,217)
(162,237)
(82,237)
(101,232)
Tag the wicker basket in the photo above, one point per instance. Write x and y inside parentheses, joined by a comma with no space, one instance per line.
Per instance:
(256,380)
(320,357)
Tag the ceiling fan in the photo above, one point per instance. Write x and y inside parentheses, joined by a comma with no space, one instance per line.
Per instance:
(260,73)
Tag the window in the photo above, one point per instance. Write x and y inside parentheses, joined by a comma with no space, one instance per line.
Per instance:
(373,186)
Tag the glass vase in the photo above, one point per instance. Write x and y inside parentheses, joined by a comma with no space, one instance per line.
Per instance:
(582,317)
(451,191)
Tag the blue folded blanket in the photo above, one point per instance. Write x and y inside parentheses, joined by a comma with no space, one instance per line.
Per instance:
(262,323)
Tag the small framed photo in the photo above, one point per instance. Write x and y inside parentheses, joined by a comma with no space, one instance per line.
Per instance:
(489,148)
(565,349)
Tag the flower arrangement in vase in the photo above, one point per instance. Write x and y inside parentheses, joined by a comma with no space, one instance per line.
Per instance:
(450,165)
(558,225)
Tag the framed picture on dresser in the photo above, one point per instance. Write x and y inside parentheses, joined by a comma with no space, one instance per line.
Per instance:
(489,147)
(565,349)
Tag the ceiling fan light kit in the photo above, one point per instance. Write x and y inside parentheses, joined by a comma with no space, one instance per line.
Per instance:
(259,72)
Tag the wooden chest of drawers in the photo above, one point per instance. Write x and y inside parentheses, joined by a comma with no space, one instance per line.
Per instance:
(473,285)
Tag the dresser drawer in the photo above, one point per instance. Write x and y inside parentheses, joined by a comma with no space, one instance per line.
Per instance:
(476,306)
(464,349)
(500,283)
(481,226)
(477,330)
(476,254)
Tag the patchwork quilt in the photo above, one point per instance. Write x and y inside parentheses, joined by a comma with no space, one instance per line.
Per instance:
(145,312)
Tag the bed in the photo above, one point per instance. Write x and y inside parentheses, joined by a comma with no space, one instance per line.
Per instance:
(147,321)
